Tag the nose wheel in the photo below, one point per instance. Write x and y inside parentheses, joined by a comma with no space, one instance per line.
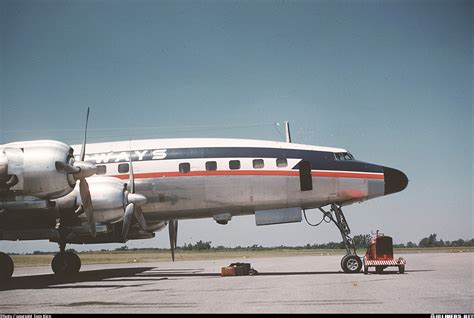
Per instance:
(351,264)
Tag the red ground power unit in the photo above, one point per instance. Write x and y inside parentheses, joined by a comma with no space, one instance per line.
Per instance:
(380,255)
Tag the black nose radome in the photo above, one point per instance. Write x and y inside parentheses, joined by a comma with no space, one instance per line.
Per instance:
(395,180)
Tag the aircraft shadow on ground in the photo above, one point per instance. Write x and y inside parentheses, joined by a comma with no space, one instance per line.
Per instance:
(51,280)
(117,277)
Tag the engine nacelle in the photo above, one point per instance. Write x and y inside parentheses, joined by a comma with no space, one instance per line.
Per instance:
(108,197)
(29,167)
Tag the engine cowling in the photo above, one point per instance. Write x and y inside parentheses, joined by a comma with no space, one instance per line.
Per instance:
(111,204)
(108,196)
(29,167)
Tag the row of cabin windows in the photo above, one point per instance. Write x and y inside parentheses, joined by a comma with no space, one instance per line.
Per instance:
(233,165)
(210,166)
(122,168)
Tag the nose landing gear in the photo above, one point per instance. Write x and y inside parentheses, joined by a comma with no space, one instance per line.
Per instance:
(350,263)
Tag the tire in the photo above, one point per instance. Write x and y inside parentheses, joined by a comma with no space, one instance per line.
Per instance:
(351,264)
(59,264)
(74,262)
(342,261)
(6,267)
(401,269)
(66,263)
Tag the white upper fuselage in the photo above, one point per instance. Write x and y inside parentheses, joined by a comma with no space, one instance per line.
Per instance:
(170,143)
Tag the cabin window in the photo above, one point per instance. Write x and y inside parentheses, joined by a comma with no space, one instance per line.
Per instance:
(282,163)
(101,169)
(343,156)
(258,163)
(123,168)
(184,167)
(234,164)
(211,166)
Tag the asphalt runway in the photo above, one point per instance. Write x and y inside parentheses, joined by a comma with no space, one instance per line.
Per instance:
(432,283)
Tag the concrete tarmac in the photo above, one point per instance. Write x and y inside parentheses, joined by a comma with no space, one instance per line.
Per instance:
(432,283)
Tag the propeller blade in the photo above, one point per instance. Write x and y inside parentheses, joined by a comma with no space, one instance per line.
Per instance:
(87,203)
(131,177)
(140,218)
(63,167)
(127,219)
(79,210)
(173,232)
(83,149)
(138,199)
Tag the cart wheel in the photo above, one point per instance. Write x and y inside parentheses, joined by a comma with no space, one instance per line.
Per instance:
(401,269)
(379,269)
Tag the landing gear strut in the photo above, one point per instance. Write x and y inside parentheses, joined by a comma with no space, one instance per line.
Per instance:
(350,263)
(6,267)
(65,262)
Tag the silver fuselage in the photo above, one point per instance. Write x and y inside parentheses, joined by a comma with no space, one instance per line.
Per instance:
(200,193)
(208,178)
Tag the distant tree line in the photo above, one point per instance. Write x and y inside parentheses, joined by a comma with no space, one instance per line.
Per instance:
(361,241)
(431,241)
(199,246)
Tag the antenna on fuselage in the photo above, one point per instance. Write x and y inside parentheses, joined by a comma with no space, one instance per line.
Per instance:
(287,131)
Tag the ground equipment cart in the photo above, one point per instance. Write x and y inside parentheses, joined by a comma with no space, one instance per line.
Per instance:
(380,255)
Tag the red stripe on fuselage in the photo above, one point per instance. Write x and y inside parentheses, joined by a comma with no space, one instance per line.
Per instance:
(336,174)
(314,173)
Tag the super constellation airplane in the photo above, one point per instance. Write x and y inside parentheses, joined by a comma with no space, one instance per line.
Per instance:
(141,186)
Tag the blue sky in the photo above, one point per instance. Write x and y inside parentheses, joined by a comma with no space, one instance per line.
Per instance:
(391,81)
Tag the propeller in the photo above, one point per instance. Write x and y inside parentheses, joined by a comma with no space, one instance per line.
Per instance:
(134,203)
(173,231)
(80,170)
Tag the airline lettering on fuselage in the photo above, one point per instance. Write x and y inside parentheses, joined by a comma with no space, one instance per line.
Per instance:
(123,156)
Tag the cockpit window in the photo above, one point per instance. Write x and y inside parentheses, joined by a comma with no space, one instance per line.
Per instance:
(343,156)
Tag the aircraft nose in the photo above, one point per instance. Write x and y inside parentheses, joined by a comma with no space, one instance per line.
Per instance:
(395,180)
